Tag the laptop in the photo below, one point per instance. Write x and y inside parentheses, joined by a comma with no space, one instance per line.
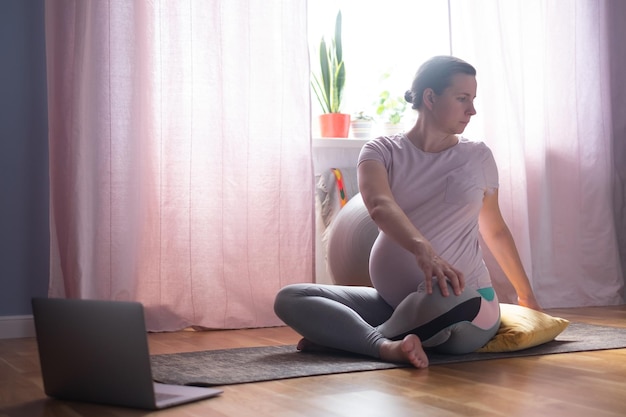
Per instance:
(97,351)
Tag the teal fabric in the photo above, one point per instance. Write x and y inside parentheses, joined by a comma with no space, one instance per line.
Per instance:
(487,293)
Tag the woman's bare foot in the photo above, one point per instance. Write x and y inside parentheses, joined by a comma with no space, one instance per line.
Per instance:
(305,345)
(407,350)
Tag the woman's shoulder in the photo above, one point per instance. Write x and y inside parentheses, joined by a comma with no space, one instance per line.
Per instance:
(472,143)
(385,143)
(476,150)
(387,140)
(474,146)
(381,148)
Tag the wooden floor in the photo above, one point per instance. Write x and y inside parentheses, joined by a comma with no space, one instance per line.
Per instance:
(572,384)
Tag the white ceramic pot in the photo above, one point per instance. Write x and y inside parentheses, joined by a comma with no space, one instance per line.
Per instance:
(361,129)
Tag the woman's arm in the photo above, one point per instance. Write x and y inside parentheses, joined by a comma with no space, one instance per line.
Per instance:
(498,238)
(389,217)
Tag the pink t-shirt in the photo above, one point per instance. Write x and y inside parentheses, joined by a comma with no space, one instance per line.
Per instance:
(442,195)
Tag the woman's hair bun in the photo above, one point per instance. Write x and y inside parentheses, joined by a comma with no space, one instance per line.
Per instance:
(408,96)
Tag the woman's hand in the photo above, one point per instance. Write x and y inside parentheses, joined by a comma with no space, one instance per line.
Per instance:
(434,266)
(530,302)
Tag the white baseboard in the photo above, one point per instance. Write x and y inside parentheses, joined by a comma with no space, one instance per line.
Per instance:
(14,327)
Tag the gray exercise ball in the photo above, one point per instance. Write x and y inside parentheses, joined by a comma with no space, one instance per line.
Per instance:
(350,239)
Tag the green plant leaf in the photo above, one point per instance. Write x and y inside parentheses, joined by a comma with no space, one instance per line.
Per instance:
(319,93)
(328,87)
(340,80)
(338,43)
(326,74)
(390,108)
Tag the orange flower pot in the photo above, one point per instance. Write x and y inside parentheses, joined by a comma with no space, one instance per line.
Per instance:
(334,125)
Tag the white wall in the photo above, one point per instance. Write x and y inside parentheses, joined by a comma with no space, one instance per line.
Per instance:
(331,153)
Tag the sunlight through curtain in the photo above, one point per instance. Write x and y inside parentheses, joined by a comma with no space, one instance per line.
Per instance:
(180,156)
(544,103)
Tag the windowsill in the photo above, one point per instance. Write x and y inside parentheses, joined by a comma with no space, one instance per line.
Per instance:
(338,142)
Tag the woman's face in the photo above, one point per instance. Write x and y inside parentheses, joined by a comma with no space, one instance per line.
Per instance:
(453,109)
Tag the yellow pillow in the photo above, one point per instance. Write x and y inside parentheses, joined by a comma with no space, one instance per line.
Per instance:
(523,328)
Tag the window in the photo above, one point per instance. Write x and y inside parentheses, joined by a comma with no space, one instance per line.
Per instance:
(379,37)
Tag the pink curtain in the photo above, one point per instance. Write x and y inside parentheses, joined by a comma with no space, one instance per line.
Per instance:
(546,109)
(180,156)
(616,32)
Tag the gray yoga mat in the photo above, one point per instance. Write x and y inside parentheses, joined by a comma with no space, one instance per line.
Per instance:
(255,364)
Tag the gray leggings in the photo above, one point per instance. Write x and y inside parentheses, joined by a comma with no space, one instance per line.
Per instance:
(358,320)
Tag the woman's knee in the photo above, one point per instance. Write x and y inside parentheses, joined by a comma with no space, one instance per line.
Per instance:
(463,306)
(464,338)
(286,298)
(427,315)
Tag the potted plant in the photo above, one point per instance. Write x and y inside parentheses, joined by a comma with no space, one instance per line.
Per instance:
(328,85)
(361,124)
(391,110)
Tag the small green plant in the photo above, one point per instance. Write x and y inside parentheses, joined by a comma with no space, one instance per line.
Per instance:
(361,115)
(328,85)
(390,108)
